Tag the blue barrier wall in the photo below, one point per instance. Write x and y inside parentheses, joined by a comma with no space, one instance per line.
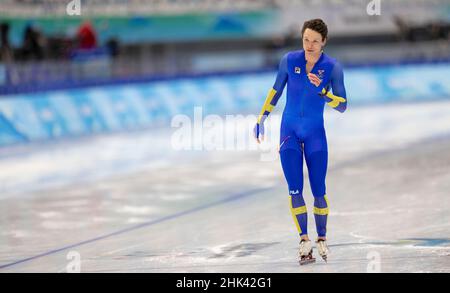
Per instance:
(48,115)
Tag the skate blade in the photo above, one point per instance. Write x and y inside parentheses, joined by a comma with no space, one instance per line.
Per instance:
(324,257)
(307,261)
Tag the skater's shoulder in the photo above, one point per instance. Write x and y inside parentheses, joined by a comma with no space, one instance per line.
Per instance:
(297,54)
(328,60)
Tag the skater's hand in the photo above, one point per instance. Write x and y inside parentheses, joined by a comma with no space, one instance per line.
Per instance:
(258,131)
(314,79)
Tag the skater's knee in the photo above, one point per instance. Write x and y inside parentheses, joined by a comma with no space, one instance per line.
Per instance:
(318,189)
(297,200)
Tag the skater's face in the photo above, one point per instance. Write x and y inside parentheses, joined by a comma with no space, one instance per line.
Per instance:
(312,42)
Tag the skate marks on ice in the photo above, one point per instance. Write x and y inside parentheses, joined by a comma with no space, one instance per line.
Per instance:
(227,251)
(239,250)
(246,251)
(219,252)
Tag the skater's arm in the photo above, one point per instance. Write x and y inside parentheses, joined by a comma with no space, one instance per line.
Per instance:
(272,98)
(337,99)
(276,91)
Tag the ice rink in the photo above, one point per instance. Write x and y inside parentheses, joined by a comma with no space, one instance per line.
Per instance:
(128,202)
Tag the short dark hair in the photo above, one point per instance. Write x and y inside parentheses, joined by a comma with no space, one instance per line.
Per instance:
(316,25)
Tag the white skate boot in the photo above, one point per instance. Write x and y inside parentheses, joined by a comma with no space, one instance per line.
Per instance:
(322,247)
(305,253)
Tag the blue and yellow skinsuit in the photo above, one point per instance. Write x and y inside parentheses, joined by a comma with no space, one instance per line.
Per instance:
(302,129)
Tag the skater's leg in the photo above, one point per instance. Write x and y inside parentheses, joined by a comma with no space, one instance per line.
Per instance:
(321,215)
(316,155)
(317,171)
(291,156)
(299,213)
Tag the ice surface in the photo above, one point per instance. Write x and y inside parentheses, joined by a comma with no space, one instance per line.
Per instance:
(129,203)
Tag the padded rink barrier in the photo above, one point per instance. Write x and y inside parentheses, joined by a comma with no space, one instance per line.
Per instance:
(75,112)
